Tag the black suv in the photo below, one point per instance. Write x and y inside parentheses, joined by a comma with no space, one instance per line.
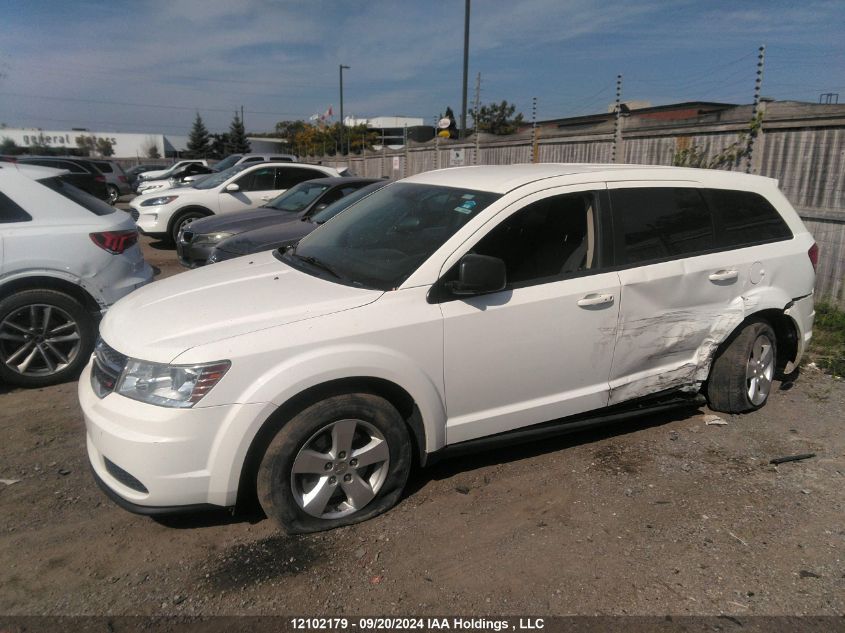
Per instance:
(83,173)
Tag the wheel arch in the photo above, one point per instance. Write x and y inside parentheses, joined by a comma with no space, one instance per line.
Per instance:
(390,391)
(786,335)
(46,281)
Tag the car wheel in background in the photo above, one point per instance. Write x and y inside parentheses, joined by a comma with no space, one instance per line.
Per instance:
(342,460)
(181,220)
(46,337)
(113,192)
(742,374)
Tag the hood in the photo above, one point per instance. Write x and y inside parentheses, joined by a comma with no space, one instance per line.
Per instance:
(166,318)
(241,221)
(267,237)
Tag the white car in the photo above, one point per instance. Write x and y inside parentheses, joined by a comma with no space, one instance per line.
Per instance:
(245,186)
(65,256)
(452,309)
(157,174)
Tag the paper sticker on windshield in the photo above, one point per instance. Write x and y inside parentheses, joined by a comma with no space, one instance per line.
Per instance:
(469,204)
(462,210)
(468,196)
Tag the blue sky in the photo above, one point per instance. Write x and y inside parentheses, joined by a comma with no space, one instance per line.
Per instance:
(148,66)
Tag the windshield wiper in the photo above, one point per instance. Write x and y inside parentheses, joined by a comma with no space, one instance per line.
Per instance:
(308,259)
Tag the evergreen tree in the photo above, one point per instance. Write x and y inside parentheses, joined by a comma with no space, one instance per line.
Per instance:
(237,136)
(198,139)
(219,146)
(498,118)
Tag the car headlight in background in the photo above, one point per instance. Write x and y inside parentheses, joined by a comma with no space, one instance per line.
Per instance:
(209,238)
(177,386)
(158,201)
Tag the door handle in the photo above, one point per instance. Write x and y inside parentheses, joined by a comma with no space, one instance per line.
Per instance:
(594,300)
(723,275)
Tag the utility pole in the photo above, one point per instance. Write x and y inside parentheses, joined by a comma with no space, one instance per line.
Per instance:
(755,130)
(616,124)
(341,104)
(462,132)
(476,131)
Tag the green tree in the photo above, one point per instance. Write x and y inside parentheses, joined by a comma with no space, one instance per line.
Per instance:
(85,144)
(219,146)
(237,136)
(731,156)
(9,147)
(199,141)
(105,147)
(498,118)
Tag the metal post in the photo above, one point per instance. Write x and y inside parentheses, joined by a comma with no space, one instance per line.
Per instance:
(758,84)
(341,104)
(462,132)
(475,130)
(534,156)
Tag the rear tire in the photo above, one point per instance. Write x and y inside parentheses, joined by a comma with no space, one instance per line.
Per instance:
(46,337)
(742,373)
(340,461)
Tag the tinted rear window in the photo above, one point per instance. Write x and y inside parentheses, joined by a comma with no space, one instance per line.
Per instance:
(662,223)
(84,200)
(104,167)
(10,211)
(744,218)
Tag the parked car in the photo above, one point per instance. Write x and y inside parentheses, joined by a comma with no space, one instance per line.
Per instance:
(242,187)
(238,159)
(117,183)
(174,177)
(81,173)
(157,174)
(134,173)
(67,256)
(455,308)
(294,210)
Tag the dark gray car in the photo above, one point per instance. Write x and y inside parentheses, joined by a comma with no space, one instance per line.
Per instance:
(291,215)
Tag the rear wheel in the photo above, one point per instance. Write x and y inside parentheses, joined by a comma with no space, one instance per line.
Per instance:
(742,374)
(340,461)
(46,337)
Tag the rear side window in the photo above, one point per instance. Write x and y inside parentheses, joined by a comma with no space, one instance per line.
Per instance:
(104,167)
(744,218)
(11,212)
(287,177)
(84,200)
(661,223)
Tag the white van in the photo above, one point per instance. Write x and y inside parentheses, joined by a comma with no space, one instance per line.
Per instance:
(450,309)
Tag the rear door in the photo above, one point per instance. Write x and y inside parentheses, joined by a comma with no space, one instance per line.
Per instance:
(681,295)
(541,349)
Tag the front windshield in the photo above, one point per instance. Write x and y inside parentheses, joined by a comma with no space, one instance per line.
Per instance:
(227,162)
(297,198)
(220,177)
(345,202)
(381,240)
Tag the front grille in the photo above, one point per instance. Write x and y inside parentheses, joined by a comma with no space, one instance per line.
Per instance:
(123,477)
(135,214)
(108,365)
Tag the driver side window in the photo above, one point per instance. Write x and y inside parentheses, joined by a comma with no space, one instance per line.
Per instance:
(545,241)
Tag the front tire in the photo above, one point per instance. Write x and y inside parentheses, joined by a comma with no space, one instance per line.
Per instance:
(113,193)
(46,337)
(742,374)
(340,461)
(181,220)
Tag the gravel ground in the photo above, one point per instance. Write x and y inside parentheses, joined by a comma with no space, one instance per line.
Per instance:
(665,515)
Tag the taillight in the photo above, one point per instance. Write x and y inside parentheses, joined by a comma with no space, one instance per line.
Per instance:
(115,242)
(100,178)
(122,179)
(813,254)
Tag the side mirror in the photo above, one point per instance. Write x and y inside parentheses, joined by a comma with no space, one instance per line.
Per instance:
(232,188)
(479,274)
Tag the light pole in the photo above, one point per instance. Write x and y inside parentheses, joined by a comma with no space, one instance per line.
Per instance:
(341,105)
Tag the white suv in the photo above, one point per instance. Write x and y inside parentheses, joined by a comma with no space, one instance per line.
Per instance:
(65,256)
(452,308)
(245,186)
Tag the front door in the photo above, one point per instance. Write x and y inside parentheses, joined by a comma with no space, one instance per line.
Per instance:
(542,348)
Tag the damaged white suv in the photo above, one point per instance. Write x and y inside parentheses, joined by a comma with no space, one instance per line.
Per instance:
(448,310)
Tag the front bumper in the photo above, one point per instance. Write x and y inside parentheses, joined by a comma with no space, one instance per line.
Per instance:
(154,457)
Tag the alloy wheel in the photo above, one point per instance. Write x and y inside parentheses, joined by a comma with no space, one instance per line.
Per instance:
(340,469)
(760,370)
(39,340)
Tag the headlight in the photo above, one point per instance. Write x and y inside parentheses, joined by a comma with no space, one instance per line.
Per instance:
(157,202)
(179,386)
(209,238)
